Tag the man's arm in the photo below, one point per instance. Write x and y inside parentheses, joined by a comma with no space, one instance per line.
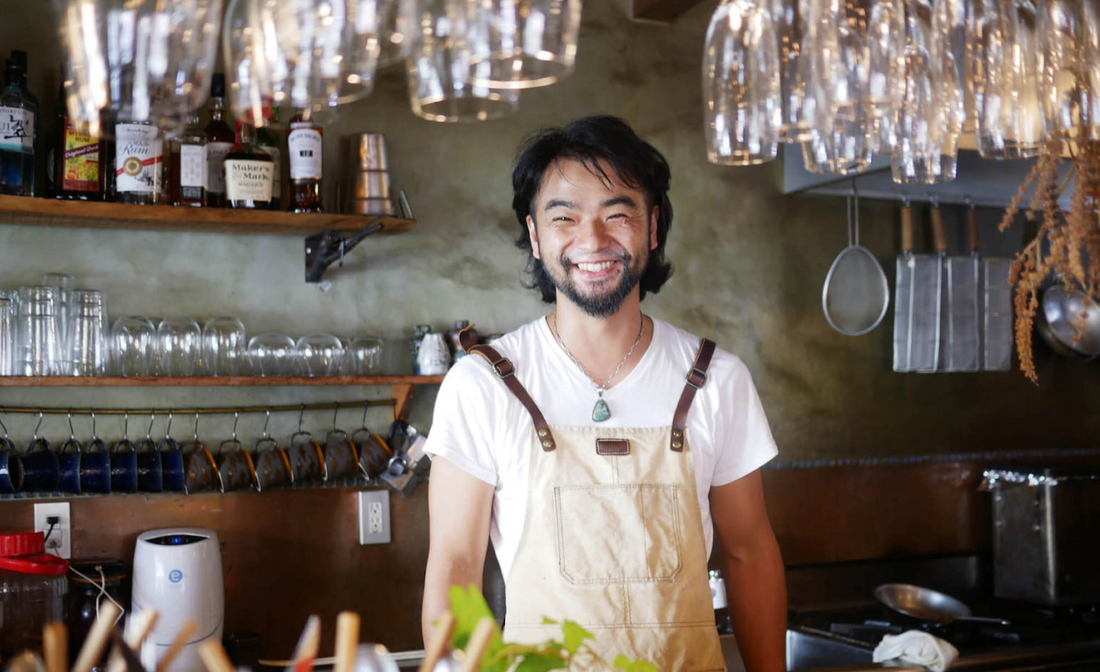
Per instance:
(460,507)
(753,571)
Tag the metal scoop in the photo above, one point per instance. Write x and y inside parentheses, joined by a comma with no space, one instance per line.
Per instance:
(856,295)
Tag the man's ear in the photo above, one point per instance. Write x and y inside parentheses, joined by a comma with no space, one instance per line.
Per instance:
(533,234)
(653,227)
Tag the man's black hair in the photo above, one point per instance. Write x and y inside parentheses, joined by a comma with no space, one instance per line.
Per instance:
(592,140)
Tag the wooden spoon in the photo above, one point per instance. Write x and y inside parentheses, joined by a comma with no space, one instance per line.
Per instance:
(140,627)
(479,641)
(347,640)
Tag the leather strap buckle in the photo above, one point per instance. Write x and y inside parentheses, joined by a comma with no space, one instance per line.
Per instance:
(697,378)
(504,367)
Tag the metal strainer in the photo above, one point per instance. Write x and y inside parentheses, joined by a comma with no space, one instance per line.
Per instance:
(856,295)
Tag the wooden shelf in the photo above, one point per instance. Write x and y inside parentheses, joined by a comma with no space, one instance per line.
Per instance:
(211,381)
(98,215)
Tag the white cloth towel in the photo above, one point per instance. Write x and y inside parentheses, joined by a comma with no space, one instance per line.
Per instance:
(919,648)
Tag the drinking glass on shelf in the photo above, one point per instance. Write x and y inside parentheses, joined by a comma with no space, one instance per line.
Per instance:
(526,43)
(741,85)
(791,19)
(365,354)
(179,342)
(7,336)
(39,335)
(319,355)
(223,347)
(843,151)
(1065,82)
(272,355)
(133,346)
(87,336)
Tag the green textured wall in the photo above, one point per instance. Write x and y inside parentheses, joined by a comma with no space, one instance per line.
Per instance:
(749,266)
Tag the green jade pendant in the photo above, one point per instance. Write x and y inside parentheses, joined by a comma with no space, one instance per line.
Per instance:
(600,411)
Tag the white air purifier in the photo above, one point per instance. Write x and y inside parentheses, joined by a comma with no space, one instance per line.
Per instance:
(178,573)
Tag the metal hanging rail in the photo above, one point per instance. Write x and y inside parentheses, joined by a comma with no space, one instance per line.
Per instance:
(285,408)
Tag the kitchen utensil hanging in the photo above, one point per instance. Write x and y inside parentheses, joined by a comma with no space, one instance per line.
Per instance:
(919,294)
(856,294)
(961,340)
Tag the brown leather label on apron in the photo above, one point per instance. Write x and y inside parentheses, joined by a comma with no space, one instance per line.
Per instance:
(612,446)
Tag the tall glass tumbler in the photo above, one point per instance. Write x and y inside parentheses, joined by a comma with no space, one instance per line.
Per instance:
(791,19)
(224,348)
(527,43)
(39,331)
(179,343)
(741,90)
(87,336)
(133,346)
(7,336)
(1065,82)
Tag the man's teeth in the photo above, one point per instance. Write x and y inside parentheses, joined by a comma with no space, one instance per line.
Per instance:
(595,268)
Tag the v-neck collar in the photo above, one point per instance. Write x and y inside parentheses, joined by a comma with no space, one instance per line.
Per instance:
(564,359)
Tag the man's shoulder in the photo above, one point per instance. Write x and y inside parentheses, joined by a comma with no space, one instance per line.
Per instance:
(682,346)
(475,371)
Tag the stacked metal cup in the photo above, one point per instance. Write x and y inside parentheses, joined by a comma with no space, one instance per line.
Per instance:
(369,192)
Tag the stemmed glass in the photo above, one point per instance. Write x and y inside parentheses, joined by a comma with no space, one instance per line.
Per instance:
(791,21)
(741,88)
(319,355)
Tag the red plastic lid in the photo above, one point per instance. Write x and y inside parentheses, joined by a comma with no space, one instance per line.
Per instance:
(44,565)
(22,543)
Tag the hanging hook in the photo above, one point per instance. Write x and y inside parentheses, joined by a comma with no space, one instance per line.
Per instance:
(168,428)
(267,419)
(236,417)
(196,436)
(301,414)
(36,427)
(152,420)
(72,432)
(366,405)
(94,436)
(125,424)
(5,428)
(335,413)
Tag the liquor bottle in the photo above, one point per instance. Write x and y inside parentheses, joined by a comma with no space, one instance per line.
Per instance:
(17,133)
(219,141)
(74,162)
(267,139)
(139,162)
(304,144)
(19,58)
(249,172)
(187,165)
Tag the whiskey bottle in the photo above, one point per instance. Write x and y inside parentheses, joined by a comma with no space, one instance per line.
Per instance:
(74,163)
(267,139)
(219,141)
(249,172)
(304,145)
(139,163)
(19,58)
(17,134)
(187,165)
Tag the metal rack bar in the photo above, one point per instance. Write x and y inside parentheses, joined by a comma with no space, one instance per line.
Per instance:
(329,406)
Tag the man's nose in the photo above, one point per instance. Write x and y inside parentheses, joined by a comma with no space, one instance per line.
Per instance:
(592,234)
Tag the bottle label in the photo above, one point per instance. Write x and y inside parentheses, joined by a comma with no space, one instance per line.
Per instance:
(215,171)
(277,157)
(80,170)
(304,145)
(16,129)
(139,158)
(247,179)
(192,165)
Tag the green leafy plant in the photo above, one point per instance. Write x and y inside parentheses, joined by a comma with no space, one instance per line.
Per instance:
(573,649)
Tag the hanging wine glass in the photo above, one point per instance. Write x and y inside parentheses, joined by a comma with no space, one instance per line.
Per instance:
(249,53)
(839,59)
(741,89)
(527,43)
(885,80)
(397,31)
(791,20)
(1065,78)
(151,58)
(1005,42)
(1090,30)
(441,70)
(845,150)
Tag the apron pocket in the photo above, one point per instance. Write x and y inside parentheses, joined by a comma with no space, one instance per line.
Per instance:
(618,533)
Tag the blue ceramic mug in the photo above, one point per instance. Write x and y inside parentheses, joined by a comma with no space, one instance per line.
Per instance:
(41,470)
(69,458)
(95,467)
(11,468)
(171,458)
(124,469)
(150,471)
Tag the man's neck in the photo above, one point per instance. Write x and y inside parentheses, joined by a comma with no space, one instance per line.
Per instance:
(600,343)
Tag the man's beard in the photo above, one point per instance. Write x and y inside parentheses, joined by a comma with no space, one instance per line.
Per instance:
(607,303)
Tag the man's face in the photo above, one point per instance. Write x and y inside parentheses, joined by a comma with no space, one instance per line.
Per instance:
(593,238)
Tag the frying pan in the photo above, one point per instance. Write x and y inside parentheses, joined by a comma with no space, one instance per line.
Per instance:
(927,604)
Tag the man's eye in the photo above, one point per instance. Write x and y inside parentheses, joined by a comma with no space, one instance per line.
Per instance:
(562,219)
(619,215)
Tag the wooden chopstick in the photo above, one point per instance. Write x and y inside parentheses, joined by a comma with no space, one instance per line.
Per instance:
(479,641)
(141,626)
(187,630)
(215,657)
(55,646)
(347,640)
(440,642)
(308,644)
(97,638)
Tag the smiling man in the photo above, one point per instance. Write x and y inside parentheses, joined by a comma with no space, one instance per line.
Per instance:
(600,448)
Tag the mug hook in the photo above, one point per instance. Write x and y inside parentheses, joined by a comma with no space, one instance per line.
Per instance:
(196,425)
(36,427)
(366,405)
(72,432)
(125,424)
(168,428)
(94,437)
(267,419)
(236,417)
(5,428)
(335,413)
(152,420)
(301,414)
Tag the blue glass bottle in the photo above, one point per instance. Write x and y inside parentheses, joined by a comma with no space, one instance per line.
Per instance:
(18,121)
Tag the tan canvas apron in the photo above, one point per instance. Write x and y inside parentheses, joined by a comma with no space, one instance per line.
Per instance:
(613,537)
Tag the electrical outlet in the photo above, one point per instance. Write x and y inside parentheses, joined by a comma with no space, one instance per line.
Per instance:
(59,541)
(374,517)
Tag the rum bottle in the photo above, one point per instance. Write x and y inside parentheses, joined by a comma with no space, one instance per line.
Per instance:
(139,163)
(187,165)
(304,145)
(219,141)
(249,172)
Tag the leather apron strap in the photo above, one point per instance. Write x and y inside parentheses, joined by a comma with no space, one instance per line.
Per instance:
(506,371)
(696,378)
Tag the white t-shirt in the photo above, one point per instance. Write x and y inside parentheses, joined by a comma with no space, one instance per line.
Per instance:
(482,428)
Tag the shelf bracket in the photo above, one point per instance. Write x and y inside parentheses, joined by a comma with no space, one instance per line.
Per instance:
(402,394)
(328,247)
